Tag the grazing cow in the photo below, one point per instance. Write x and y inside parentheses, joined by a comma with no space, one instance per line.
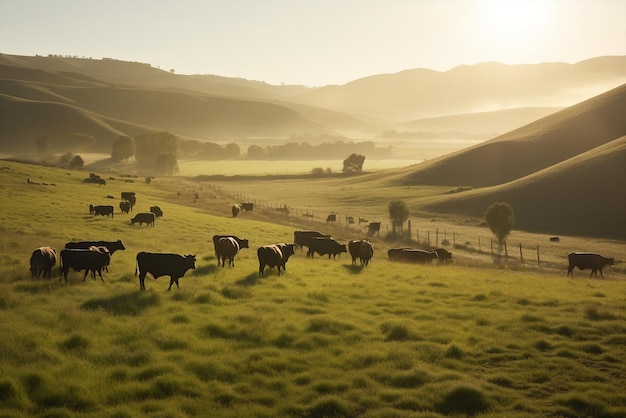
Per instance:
(584,261)
(331,218)
(103,210)
(444,255)
(83,259)
(243,243)
(302,238)
(373,229)
(42,260)
(143,218)
(361,249)
(157,211)
(112,246)
(235,210)
(324,246)
(125,206)
(555,239)
(131,198)
(162,264)
(91,210)
(227,248)
(411,255)
(275,255)
(247,206)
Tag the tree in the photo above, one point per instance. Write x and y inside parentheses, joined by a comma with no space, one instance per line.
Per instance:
(76,162)
(77,141)
(232,150)
(43,145)
(123,148)
(500,219)
(398,213)
(166,163)
(354,163)
(255,152)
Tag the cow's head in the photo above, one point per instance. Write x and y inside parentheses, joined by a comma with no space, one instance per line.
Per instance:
(191,261)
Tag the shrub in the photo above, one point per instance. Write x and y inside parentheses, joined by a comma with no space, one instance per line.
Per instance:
(463,400)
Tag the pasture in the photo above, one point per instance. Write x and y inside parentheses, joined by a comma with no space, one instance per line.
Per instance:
(325,339)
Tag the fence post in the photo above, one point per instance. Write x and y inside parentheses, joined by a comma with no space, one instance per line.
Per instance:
(409,229)
(538,261)
(454,240)
(480,250)
(521,256)
(506,251)
(437,238)
(428,238)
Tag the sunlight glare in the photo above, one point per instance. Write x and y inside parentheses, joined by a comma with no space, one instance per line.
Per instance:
(514,20)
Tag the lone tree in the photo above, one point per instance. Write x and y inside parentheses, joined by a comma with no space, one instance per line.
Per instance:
(123,148)
(354,163)
(398,213)
(500,219)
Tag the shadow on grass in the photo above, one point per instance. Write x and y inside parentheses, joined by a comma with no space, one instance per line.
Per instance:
(250,280)
(131,304)
(353,268)
(204,270)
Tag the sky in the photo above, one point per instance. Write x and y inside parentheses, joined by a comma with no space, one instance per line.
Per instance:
(314,42)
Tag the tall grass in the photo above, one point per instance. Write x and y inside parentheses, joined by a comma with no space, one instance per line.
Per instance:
(323,339)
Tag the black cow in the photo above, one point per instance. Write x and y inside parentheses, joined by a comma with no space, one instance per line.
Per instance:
(302,238)
(331,218)
(235,210)
(444,255)
(324,246)
(243,243)
(131,198)
(162,264)
(411,255)
(112,246)
(361,249)
(227,248)
(157,211)
(42,260)
(373,229)
(584,261)
(125,206)
(247,206)
(104,250)
(275,255)
(83,259)
(143,218)
(102,210)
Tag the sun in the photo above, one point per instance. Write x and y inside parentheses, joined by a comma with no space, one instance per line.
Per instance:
(514,20)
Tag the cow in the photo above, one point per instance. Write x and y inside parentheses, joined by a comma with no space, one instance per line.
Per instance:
(302,238)
(163,264)
(42,260)
(130,197)
(444,255)
(373,229)
(103,210)
(104,250)
(143,218)
(83,259)
(91,209)
(361,249)
(411,255)
(227,248)
(395,254)
(331,218)
(243,243)
(112,246)
(247,206)
(158,213)
(584,261)
(235,210)
(125,206)
(275,255)
(324,246)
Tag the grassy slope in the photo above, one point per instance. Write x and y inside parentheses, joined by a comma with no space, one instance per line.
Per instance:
(324,339)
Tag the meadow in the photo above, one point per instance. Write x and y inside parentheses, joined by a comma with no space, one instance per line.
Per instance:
(325,339)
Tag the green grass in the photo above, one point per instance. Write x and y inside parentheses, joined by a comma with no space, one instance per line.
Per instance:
(323,339)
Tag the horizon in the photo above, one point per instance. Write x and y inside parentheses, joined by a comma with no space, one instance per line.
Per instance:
(315,43)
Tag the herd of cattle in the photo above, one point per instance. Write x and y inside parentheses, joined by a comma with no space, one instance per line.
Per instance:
(95,256)
(128,201)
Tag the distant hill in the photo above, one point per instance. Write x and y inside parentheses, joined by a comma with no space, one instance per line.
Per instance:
(584,195)
(533,147)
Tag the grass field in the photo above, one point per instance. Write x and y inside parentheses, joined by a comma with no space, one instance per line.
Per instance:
(326,339)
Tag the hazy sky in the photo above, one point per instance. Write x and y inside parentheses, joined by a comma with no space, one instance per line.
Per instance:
(314,42)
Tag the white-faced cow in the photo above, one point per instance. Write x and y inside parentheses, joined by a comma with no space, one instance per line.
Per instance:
(83,259)
(163,264)
(594,262)
(227,248)
(143,218)
(275,255)
(42,260)
(361,249)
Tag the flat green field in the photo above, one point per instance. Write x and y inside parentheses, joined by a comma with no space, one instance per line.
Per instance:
(325,339)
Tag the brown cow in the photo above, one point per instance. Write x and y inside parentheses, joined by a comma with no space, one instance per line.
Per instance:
(227,248)
(42,260)
(584,261)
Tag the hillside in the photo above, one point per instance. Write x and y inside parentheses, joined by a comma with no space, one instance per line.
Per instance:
(584,195)
(533,147)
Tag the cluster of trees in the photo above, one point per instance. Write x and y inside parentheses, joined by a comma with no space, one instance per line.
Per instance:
(209,150)
(306,151)
(154,150)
